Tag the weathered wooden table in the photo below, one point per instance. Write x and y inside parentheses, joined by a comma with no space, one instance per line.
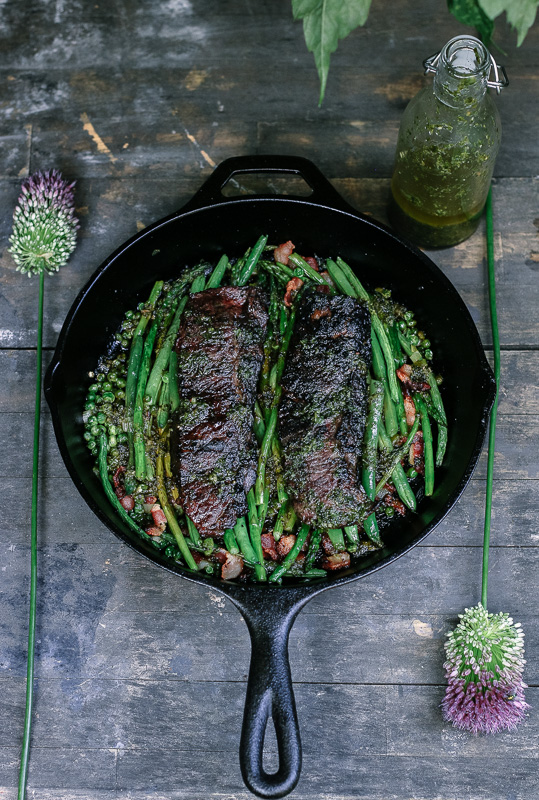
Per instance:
(140,677)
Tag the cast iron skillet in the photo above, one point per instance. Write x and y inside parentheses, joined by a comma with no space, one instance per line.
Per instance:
(321,223)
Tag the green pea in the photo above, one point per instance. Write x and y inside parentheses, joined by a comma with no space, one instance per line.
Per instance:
(90,405)
(413,340)
(112,444)
(411,473)
(88,436)
(408,316)
(95,430)
(390,511)
(100,377)
(426,343)
(93,387)
(412,323)
(120,382)
(108,396)
(428,354)
(402,325)
(120,394)
(91,421)
(101,417)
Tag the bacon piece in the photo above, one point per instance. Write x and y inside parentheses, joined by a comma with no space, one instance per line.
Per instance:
(312,262)
(232,564)
(158,516)
(282,252)
(292,288)
(415,454)
(268,546)
(285,544)
(336,561)
(154,531)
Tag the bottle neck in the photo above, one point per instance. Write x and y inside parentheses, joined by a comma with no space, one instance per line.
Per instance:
(462,72)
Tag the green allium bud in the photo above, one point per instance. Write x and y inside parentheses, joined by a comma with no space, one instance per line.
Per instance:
(44,224)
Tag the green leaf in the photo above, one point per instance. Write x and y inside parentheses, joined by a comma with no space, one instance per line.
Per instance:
(324,23)
(470,13)
(520,13)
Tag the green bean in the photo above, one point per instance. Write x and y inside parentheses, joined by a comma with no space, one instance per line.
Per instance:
(271,425)
(399,455)
(306,270)
(315,573)
(164,405)
(255,531)
(109,491)
(138,413)
(368,474)
(441,445)
(436,396)
(251,261)
(173,392)
(214,281)
(277,270)
(171,518)
(427,445)
(242,537)
(192,530)
(361,293)
(398,476)
(163,355)
(337,539)
(198,284)
(279,571)
(339,279)
(290,519)
(370,527)
(278,526)
(314,546)
(352,534)
(230,541)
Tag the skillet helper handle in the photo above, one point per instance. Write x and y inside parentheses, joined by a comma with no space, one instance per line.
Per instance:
(270,694)
(323,192)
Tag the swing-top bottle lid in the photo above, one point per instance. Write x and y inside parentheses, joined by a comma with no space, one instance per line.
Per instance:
(464,54)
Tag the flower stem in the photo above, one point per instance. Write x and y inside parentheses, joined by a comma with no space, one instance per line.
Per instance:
(33,552)
(493,414)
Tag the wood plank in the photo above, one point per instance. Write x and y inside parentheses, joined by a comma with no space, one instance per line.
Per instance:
(355,719)
(68,769)
(88,580)
(64,518)
(111,212)
(515,449)
(381,648)
(519,388)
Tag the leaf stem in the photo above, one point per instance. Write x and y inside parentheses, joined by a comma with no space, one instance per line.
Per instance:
(493,413)
(23,772)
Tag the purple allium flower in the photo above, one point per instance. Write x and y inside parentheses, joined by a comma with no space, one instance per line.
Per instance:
(485,660)
(44,224)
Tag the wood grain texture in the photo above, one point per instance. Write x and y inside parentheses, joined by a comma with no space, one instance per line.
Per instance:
(141,676)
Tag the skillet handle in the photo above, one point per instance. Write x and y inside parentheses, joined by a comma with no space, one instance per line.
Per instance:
(323,193)
(270,694)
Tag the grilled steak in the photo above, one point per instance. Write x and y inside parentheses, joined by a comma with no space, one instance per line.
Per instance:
(214,455)
(323,410)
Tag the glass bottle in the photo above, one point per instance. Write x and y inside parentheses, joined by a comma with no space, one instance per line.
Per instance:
(448,141)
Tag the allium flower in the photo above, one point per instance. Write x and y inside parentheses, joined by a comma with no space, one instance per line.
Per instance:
(485,660)
(44,224)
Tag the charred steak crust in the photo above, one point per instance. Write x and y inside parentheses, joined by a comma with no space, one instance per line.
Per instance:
(213,448)
(323,409)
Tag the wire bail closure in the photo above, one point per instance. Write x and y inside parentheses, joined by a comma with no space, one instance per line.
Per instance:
(500,75)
